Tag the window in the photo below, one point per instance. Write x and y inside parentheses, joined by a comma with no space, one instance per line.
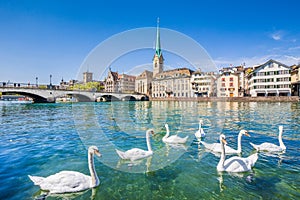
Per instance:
(231,79)
(223,84)
(223,79)
(230,84)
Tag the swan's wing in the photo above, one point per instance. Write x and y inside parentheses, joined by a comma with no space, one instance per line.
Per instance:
(216,147)
(136,154)
(252,159)
(229,150)
(175,139)
(66,181)
(266,146)
(237,164)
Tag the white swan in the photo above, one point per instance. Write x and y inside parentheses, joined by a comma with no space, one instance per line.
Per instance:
(266,146)
(136,153)
(200,133)
(217,147)
(70,181)
(173,139)
(235,163)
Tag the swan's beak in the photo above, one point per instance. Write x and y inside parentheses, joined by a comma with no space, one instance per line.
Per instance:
(247,134)
(224,141)
(97,152)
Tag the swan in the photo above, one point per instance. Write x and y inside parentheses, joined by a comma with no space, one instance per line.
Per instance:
(70,181)
(266,146)
(217,147)
(136,153)
(235,163)
(173,139)
(200,133)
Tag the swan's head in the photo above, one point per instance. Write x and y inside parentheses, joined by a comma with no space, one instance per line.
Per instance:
(244,132)
(280,129)
(223,139)
(166,125)
(200,121)
(94,150)
(150,132)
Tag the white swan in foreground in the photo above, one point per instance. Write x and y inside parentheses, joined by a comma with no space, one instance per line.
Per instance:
(173,139)
(217,147)
(70,181)
(200,133)
(136,153)
(235,163)
(266,146)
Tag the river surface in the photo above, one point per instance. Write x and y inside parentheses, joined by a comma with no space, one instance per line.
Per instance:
(42,139)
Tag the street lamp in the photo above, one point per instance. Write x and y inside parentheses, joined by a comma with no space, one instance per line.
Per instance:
(36,81)
(50,79)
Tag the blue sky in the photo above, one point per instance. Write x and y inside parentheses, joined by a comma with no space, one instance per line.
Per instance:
(39,38)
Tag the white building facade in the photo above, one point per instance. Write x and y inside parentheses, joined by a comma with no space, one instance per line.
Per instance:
(203,84)
(270,79)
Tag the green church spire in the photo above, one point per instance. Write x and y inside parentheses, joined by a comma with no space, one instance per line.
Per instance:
(157,47)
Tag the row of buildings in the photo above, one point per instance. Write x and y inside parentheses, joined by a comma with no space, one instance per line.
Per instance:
(269,79)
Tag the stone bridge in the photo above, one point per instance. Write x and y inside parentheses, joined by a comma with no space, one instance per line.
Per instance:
(50,96)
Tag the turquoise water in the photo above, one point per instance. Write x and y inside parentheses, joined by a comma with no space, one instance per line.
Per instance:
(42,139)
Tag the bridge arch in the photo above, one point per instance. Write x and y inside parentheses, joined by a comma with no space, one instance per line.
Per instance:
(128,98)
(36,98)
(107,97)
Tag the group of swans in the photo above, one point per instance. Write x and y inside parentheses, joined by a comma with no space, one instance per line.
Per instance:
(72,181)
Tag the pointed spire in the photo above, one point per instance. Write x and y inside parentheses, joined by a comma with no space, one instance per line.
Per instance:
(157,47)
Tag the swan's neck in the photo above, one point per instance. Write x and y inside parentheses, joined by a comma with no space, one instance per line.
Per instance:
(239,143)
(167,133)
(148,142)
(94,177)
(282,146)
(200,126)
(222,158)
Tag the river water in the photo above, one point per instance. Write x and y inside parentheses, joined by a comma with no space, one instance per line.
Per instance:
(42,139)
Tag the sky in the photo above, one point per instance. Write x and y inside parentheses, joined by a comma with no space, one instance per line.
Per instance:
(54,37)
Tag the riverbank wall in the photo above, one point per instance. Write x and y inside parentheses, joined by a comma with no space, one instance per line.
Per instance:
(232,99)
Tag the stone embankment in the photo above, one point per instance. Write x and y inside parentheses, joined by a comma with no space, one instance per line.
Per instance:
(232,99)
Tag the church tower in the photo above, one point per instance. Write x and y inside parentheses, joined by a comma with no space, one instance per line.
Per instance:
(158,60)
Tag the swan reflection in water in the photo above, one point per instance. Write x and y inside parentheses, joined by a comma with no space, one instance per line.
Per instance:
(42,195)
(136,163)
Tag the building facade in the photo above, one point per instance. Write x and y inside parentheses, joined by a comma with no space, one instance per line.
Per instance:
(126,83)
(111,81)
(230,83)
(172,83)
(203,84)
(143,83)
(295,80)
(270,79)
(87,77)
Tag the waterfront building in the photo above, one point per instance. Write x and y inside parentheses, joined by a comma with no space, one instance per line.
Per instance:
(87,77)
(172,83)
(231,82)
(143,83)
(126,83)
(203,84)
(111,81)
(295,80)
(270,79)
